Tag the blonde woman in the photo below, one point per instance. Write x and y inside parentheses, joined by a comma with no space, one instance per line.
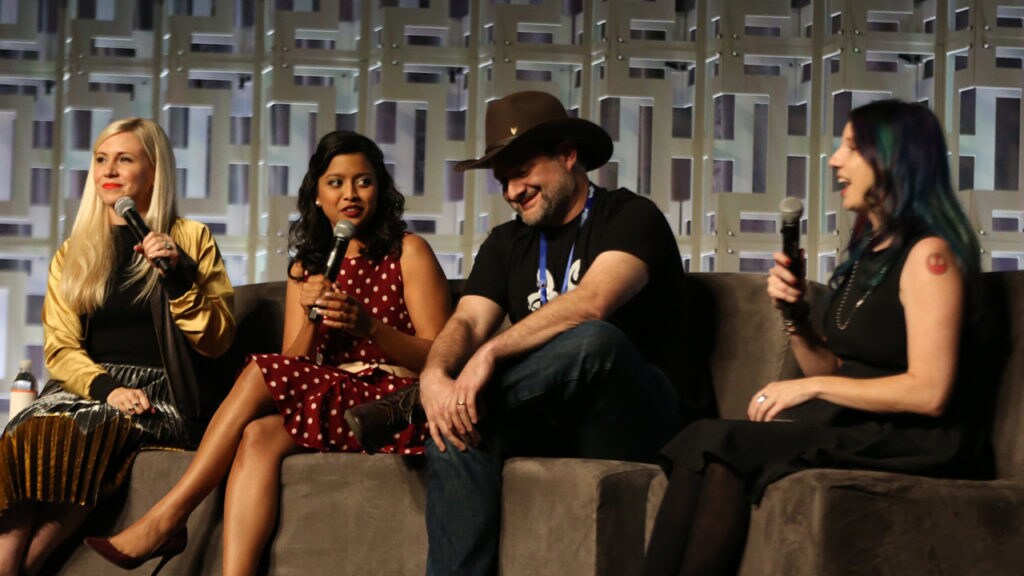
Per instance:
(125,342)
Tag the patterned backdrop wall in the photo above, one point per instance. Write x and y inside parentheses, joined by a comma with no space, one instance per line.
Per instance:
(718,110)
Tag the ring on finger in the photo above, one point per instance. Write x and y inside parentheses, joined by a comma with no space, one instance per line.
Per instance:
(167,245)
(761,399)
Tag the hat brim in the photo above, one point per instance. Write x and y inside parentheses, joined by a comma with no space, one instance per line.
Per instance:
(592,142)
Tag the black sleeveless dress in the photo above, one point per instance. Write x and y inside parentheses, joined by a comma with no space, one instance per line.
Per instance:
(871,340)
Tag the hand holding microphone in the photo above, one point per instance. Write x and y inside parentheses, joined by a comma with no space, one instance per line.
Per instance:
(793,313)
(343,232)
(125,208)
(792,209)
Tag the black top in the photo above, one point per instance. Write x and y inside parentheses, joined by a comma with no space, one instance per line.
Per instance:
(873,341)
(506,272)
(121,331)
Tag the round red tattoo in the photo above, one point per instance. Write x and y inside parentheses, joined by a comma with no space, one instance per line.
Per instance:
(937,263)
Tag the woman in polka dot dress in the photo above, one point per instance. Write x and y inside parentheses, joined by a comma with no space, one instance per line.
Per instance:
(374,325)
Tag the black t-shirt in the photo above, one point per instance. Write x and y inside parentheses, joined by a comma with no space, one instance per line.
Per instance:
(506,272)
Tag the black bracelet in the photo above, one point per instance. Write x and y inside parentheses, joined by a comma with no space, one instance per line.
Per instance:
(794,318)
(794,327)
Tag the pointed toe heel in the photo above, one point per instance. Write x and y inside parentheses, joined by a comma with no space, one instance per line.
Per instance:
(169,549)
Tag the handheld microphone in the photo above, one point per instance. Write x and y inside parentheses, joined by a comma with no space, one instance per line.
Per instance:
(343,232)
(125,208)
(792,209)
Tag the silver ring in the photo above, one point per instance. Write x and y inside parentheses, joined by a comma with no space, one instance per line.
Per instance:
(167,245)
(760,399)
(461,402)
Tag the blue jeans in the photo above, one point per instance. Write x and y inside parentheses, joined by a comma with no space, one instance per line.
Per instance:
(587,393)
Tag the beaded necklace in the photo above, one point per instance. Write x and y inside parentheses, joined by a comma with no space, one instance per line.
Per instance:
(840,323)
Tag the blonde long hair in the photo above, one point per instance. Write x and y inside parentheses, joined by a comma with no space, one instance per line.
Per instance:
(90,257)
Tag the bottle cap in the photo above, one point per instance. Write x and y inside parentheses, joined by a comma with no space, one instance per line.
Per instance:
(25,366)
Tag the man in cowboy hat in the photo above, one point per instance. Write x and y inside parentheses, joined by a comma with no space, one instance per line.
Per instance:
(592,282)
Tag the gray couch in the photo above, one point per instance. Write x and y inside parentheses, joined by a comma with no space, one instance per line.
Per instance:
(362,515)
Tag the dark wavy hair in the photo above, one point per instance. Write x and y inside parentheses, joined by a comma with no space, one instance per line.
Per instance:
(905,146)
(310,237)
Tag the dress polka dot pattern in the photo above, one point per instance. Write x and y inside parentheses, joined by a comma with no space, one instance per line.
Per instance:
(313,396)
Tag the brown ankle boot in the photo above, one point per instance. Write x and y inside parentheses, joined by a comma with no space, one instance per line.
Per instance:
(374,424)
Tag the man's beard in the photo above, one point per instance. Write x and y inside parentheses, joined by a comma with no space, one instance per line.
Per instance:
(555,202)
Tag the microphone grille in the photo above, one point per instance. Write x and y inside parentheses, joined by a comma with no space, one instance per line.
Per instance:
(792,209)
(344,229)
(123,205)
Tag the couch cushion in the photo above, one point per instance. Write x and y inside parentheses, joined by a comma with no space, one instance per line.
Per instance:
(832,522)
(743,335)
(560,516)
(350,514)
(259,314)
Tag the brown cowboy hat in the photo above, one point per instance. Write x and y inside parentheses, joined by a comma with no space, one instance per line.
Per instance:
(524,118)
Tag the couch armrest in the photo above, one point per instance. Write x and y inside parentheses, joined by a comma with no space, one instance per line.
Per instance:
(573,516)
(830,522)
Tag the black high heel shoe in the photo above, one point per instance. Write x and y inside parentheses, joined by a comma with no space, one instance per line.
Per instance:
(169,549)
(374,424)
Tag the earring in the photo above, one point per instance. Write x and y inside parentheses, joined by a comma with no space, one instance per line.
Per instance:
(317,202)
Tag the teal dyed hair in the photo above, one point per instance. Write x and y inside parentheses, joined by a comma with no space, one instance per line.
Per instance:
(906,148)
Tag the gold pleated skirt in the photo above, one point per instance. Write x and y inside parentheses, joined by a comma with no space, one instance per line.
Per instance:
(66,449)
(49,459)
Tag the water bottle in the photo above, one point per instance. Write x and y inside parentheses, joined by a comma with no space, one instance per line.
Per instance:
(23,390)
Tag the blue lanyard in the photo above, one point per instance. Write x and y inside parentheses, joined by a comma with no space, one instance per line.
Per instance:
(542,266)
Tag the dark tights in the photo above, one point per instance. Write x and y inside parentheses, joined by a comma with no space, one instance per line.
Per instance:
(701,527)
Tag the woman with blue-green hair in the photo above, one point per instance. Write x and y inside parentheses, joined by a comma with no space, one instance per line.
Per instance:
(881,388)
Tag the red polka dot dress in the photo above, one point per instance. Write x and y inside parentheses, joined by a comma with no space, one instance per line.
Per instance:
(312,393)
